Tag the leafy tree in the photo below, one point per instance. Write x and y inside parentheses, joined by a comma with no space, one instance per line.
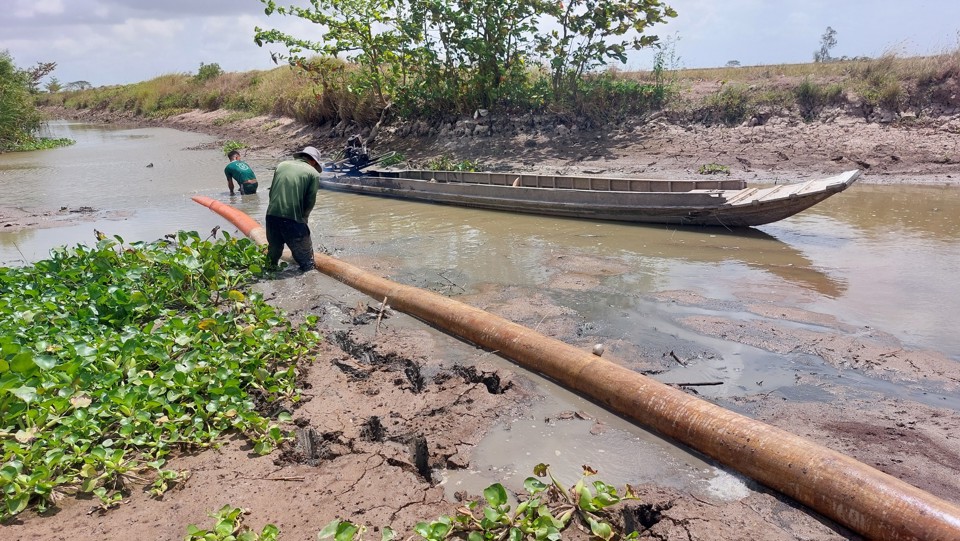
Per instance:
(371,33)
(19,116)
(733,64)
(827,41)
(587,32)
(464,53)
(489,41)
(38,72)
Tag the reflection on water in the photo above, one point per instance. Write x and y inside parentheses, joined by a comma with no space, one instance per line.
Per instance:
(879,256)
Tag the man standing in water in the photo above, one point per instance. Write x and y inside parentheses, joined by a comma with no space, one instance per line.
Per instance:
(238,170)
(292,196)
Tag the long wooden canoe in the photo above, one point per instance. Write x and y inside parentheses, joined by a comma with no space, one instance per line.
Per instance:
(712,202)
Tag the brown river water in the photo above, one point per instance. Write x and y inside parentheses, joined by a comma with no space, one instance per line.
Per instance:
(877,257)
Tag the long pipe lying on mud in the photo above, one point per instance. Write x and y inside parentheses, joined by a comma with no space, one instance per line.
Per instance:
(864,499)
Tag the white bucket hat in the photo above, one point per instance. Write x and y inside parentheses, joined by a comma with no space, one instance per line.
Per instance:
(309,152)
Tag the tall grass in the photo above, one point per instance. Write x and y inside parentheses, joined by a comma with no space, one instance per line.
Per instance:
(323,91)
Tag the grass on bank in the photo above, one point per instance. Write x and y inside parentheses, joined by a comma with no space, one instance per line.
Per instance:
(891,83)
(114,357)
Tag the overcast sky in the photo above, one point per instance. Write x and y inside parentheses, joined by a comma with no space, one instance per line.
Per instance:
(125,41)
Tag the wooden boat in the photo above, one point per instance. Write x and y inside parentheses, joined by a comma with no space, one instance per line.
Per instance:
(711,202)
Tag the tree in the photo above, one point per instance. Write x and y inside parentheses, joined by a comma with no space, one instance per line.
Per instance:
(368,32)
(19,117)
(208,71)
(587,29)
(78,85)
(827,41)
(53,85)
(470,52)
(485,42)
(733,64)
(41,70)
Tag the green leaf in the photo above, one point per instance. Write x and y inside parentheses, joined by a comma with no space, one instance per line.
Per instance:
(23,363)
(600,529)
(495,494)
(45,361)
(534,486)
(16,504)
(329,530)
(346,531)
(422,529)
(10,470)
(27,394)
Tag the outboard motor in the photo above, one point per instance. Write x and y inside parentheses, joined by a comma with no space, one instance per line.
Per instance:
(355,153)
(354,158)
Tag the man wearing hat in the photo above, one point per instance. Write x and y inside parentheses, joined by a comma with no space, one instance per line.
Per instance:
(292,196)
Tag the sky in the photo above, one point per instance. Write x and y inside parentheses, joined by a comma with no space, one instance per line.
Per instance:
(107,42)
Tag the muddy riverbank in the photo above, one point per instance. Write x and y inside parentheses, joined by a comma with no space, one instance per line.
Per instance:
(782,149)
(394,404)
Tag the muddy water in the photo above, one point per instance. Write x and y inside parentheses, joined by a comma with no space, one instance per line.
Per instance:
(875,257)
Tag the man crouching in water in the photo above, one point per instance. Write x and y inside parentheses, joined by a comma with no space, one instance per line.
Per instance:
(293,194)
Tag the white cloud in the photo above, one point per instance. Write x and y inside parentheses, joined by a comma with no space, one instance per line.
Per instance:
(143,31)
(26,9)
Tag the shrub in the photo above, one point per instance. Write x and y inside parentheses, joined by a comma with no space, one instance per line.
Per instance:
(230,146)
(446,163)
(713,169)
(729,106)
(880,84)
(19,117)
(811,97)
(207,72)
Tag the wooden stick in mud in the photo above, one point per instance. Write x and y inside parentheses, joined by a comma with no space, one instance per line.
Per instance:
(866,500)
(383,306)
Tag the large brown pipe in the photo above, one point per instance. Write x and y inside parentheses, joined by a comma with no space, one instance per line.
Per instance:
(866,500)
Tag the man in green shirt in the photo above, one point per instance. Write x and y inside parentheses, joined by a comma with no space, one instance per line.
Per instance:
(292,196)
(238,170)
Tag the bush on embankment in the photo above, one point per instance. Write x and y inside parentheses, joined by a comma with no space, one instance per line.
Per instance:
(19,117)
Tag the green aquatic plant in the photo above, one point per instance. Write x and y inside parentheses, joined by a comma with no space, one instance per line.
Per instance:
(543,515)
(235,116)
(713,169)
(231,145)
(446,163)
(229,527)
(115,355)
(42,143)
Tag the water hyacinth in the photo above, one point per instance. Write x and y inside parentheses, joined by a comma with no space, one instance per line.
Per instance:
(114,356)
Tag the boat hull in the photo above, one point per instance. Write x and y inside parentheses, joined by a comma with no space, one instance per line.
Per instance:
(698,207)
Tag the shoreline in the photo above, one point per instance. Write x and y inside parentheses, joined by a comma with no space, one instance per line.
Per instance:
(783,150)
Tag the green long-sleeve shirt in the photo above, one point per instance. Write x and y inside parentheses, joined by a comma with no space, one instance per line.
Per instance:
(294,190)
